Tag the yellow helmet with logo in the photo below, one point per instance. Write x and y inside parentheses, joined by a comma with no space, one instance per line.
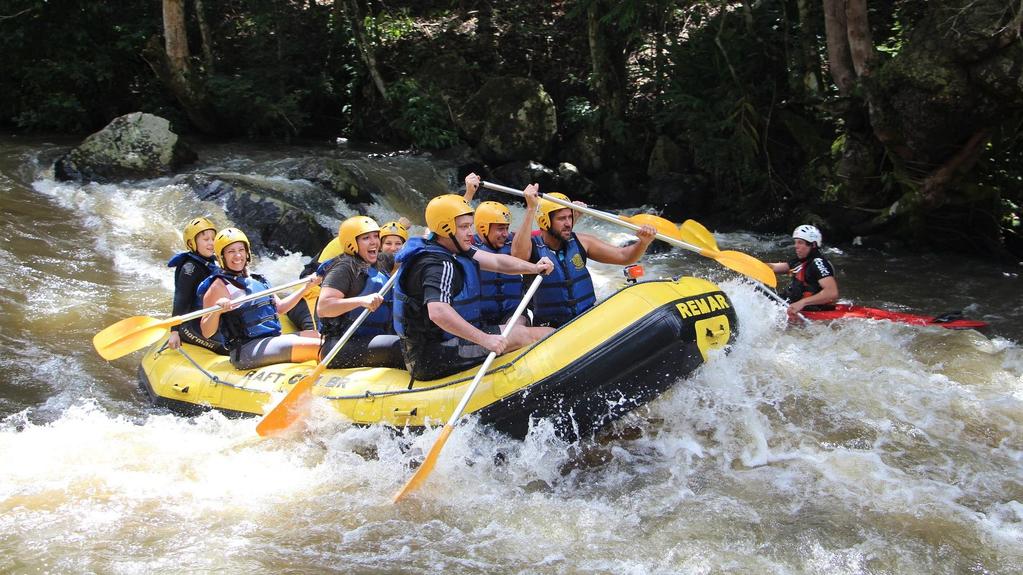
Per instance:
(491,213)
(442,211)
(226,237)
(352,228)
(543,211)
(194,228)
(394,229)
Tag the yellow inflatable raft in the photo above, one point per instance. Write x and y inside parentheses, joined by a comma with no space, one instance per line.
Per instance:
(618,355)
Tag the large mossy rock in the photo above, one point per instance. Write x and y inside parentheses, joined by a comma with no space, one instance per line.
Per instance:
(510,119)
(135,145)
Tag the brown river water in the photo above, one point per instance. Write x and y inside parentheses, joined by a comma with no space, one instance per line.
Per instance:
(845,447)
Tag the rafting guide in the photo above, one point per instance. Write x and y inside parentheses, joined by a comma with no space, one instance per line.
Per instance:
(569,290)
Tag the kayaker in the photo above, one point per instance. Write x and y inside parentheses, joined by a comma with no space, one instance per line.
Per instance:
(190,269)
(437,309)
(252,331)
(499,293)
(813,287)
(351,285)
(568,291)
(393,235)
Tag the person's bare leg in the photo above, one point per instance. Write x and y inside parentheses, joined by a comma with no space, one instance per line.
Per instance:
(522,336)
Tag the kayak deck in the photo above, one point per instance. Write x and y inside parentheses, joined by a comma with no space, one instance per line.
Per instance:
(952,320)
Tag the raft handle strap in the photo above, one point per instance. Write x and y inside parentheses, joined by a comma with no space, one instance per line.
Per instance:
(212,377)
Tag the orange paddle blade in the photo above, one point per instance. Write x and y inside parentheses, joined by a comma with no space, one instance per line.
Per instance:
(427,466)
(694,233)
(291,407)
(129,335)
(663,226)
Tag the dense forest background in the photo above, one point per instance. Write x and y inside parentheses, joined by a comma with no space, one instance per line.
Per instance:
(892,122)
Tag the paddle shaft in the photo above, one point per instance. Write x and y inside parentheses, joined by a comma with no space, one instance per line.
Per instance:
(284,413)
(355,325)
(431,458)
(199,313)
(490,358)
(592,212)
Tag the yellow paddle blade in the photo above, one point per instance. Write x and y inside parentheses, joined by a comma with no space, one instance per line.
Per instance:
(291,407)
(694,233)
(129,335)
(426,467)
(664,227)
(745,264)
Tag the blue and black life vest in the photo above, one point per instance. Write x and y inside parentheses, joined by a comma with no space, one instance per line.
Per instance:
(410,317)
(568,290)
(252,320)
(210,265)
(499,293)
(377,323)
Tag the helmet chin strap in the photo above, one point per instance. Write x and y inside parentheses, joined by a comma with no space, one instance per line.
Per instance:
(458,245)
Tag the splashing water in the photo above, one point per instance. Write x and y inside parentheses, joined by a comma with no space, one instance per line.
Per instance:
(844,447)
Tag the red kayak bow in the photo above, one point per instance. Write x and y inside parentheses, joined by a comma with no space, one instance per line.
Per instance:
(952,320)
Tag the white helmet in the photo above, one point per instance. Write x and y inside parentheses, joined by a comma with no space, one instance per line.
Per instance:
(807,233)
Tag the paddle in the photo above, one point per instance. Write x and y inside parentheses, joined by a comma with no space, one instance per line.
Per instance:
(695,233)
(289,409)
(745,264)
(136,332)
(431,458)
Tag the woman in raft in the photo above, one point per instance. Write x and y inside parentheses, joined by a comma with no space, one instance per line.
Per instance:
(251,331)
(352,284)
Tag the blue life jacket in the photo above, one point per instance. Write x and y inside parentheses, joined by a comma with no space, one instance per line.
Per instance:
(411,318)
(377,323)
(252,320)
(568,290)
(180,259)
(499,293)
(210,265)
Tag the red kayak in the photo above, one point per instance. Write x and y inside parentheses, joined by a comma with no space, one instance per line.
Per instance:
(953,320)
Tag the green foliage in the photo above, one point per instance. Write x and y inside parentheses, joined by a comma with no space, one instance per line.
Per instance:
(72,66)
(390,27)
(577,113)
(246,107)
(422,115)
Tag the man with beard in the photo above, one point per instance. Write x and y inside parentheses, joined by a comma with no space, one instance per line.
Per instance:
(568,291)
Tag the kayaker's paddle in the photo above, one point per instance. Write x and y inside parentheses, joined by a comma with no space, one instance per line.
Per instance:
(744,264)
(136,332)
(695,233)
(431,458)
(290,408)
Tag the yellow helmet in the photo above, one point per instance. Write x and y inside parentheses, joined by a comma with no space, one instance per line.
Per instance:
(194,228)
(543,211)
(491,213)
(394,229)
(226,237)
(442,211)
(353,228)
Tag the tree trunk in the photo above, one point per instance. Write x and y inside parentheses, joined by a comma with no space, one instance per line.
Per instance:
(205,35)
(364,45)
(172,65)
(839,59)
(175,37)
(811,72)
(607,57)
(861,45)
